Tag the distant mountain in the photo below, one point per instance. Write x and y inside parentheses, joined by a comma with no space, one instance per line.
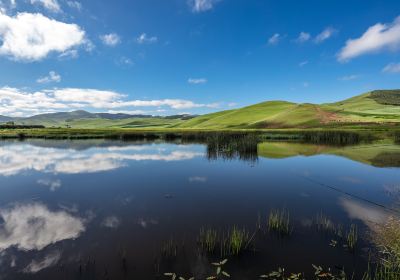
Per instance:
(84,119)
(4,119)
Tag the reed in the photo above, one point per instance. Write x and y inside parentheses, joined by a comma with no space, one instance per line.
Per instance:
(352,237)
(279,221)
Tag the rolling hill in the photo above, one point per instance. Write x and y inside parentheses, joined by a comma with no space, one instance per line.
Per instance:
(380,106)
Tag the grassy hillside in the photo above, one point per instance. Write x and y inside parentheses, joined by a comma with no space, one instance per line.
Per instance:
(373,107)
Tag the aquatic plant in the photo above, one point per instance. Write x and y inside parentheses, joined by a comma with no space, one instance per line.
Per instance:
(352,237)
(208,239)
(280,275)
(169,249)
(320,273)
(220,273)
(237,240)
(174,276)
(279,221)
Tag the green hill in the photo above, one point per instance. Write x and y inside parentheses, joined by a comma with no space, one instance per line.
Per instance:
(381,106)
(373,107)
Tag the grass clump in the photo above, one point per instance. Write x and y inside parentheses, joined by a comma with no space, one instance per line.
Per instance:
(352,237)
(208,239)
(279,221)
(238,240)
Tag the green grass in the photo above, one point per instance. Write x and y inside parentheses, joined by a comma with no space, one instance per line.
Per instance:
(361,109)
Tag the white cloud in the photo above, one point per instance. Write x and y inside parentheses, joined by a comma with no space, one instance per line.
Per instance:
(274,39)
(325,35)
(75,5)
(32,37)
(16,102)
(34,226)
(144,39)
(392,68)
(377,38)
(48,261)
(198,6)
(51,5)
(303,37)
(303,63)
(349,77)
(111,39)
(52,77)
(197,81)
(70,54)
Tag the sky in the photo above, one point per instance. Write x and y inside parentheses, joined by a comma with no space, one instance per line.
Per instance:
(165,57)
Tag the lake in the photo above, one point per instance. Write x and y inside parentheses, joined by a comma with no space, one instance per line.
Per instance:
(98,209)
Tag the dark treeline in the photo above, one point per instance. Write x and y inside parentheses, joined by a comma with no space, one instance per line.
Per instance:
(22,126)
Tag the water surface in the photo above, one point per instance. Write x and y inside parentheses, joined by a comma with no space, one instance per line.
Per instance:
(107,209)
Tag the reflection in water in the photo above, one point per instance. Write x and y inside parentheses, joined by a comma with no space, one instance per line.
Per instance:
(48,261)
(368,214)
(111,222)
(34,226)
(15,159)
(51,184)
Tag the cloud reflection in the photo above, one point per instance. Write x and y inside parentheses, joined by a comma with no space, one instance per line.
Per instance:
(18,158)
(48,261)
(34,226)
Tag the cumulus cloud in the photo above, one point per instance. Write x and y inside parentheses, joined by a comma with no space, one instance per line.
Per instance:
(16,102)
(34,226)
(37,265)
(52,77)
(111,39)
(303,37)
(51,5)
(197,81)
(325,35)
(274,39)
(392,68)
(198,6)
(15,159)
(32,37)
(377,38)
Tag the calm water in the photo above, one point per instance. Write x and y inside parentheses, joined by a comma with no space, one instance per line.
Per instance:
(105,210)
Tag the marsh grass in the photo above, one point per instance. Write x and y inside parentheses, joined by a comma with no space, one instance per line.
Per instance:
(208,239)
(231,243)
(169,249)
(279,222)
(352,237)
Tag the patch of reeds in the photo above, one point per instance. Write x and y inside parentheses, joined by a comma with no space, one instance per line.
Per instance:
(169,249)
(352,237)
(230,243)
(279,221)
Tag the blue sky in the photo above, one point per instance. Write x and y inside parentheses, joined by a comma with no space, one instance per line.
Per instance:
(166,57)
